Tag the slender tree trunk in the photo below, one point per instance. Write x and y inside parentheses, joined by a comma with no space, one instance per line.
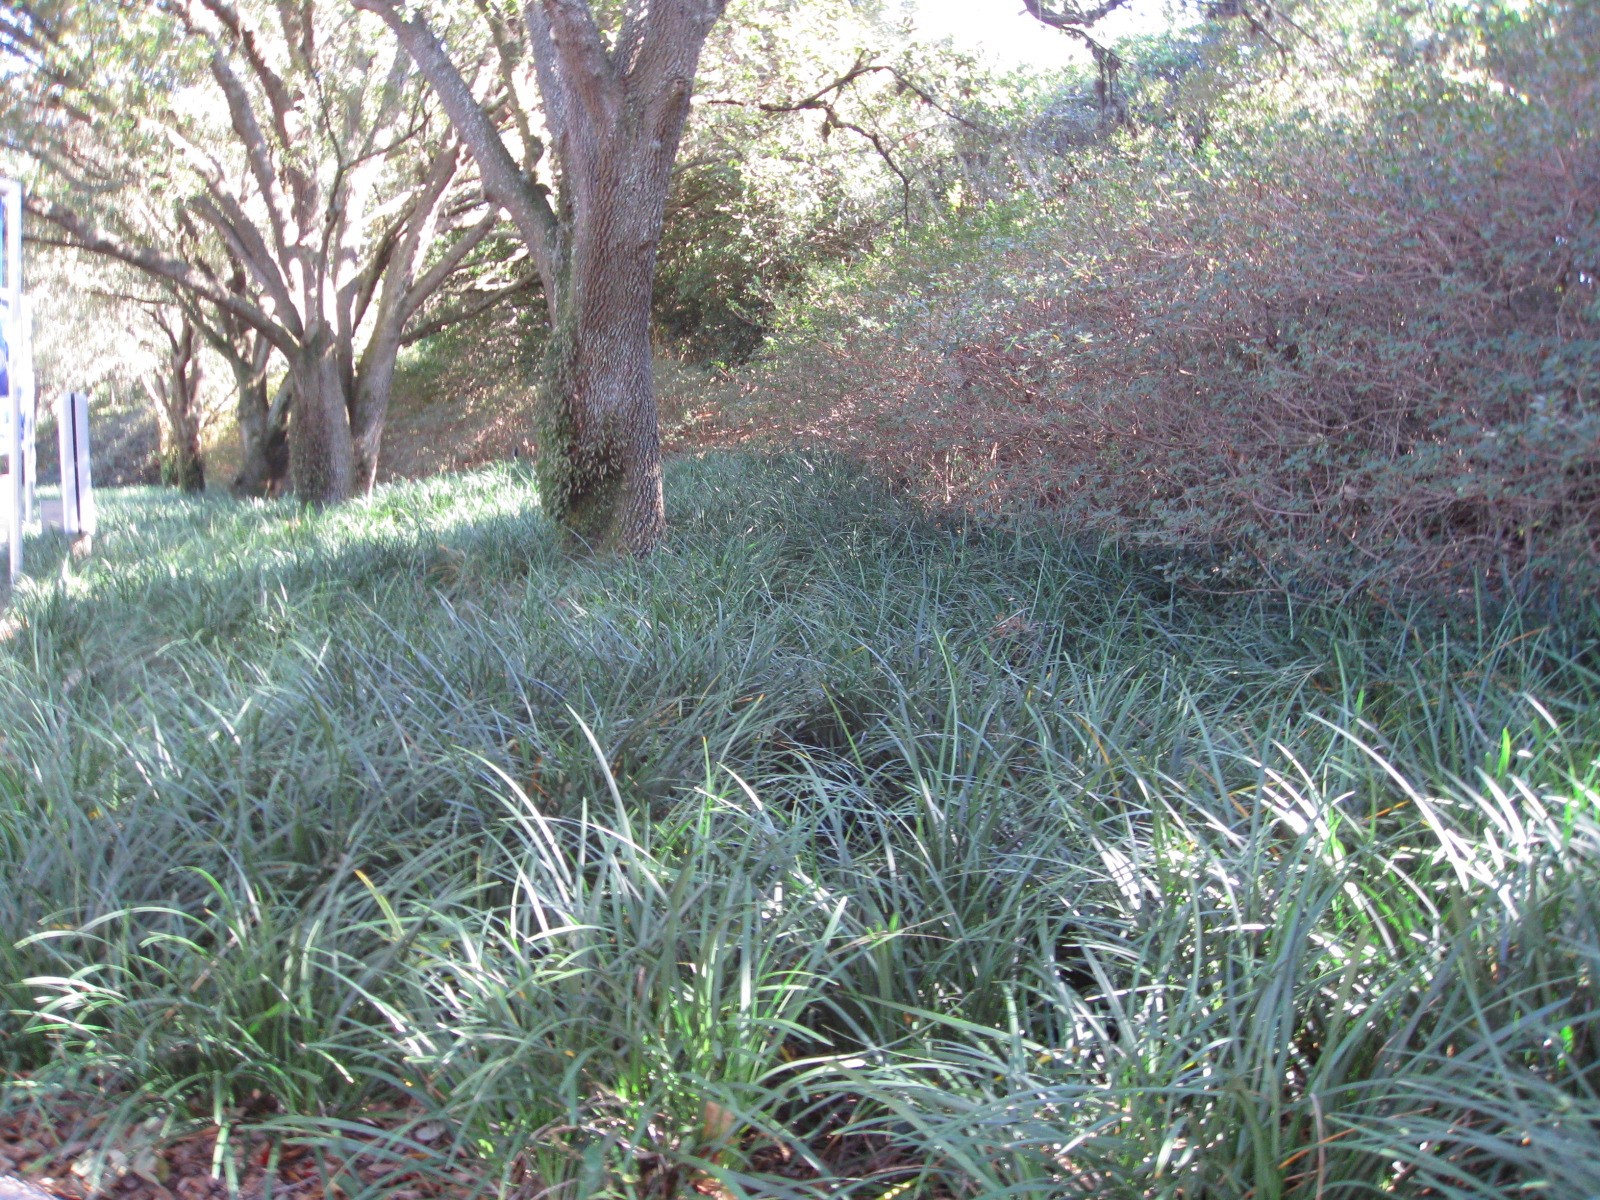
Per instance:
(264,437)
(401,293)
(177,393)
(371,408)
(321,449)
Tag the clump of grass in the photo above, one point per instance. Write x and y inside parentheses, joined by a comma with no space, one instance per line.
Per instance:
(831,851)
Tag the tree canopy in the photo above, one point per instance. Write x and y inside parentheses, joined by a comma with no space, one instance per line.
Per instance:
(277,163)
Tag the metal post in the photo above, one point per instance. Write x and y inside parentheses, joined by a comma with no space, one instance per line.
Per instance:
(11,196)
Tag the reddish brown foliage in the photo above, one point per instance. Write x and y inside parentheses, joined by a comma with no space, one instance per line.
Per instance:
(1364,358)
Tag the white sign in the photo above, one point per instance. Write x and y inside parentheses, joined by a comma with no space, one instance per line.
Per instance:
(77,489)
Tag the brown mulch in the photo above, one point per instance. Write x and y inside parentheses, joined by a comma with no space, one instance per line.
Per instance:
(60,1146)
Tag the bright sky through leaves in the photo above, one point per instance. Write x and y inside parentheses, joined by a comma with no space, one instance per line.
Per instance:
(1003,30)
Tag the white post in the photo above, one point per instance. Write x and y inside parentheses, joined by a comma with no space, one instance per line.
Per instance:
(28,382)
(77,487)
(11,198)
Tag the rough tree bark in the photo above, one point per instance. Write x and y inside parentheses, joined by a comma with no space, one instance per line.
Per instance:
(614,106)
(322,450)
(263,436)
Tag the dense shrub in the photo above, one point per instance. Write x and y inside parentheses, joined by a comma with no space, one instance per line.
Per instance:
(819,130)
(1354,341)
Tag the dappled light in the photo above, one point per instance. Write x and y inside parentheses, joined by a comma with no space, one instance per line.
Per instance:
(835,844)
(749,601)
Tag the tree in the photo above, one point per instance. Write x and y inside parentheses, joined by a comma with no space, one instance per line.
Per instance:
(174,388)
(263,417)
(1076,21)
(270,132)
(613,98)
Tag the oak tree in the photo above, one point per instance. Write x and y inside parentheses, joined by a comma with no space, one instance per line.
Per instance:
(174,388)
(298,153)
(587,196)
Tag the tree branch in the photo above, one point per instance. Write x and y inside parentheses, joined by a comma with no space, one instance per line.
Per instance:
(82,235)
(468,309)
(824,101)
(245,243)
(1076,21)
(256,150)
(435,276)
(1070,18)
(279,98)
(525,201)
(505,46)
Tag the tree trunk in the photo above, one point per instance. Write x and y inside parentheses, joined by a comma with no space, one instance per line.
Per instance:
(177,393)
(264,434)
(367,415)
(599,444)
(185,465)
(321,450)
(614,109)
(598,456)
